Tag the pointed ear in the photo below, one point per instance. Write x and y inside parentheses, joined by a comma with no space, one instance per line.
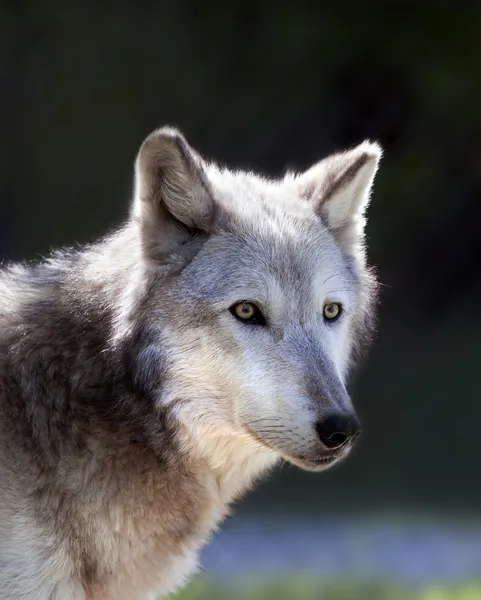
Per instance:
(339,188)
(173,198)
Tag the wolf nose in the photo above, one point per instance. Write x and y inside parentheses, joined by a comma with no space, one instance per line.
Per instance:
(337,429)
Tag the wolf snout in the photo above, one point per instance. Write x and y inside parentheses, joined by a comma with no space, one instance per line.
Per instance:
(337,429)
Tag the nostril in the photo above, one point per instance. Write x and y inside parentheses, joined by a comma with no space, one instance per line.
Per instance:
(335,439)
(337,429)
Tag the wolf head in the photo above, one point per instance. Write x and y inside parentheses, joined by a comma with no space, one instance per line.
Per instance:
(255,296)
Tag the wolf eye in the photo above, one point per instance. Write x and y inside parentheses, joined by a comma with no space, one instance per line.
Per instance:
(248,313)
(332,311)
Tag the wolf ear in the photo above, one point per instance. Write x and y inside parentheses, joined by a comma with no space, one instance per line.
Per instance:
(173,198)
(339,188)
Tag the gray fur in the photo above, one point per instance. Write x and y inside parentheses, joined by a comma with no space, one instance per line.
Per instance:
(134,407)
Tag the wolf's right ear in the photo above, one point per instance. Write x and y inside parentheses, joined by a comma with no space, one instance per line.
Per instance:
(173,197)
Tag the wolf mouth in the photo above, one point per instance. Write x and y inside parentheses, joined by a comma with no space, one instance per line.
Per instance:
(301,460)
(315,464)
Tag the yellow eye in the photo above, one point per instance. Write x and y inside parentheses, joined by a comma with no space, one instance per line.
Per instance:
(248,313)
(332,310)
(245,310)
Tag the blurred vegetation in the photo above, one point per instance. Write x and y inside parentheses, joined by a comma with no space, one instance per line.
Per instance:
(270,85)
(304,589)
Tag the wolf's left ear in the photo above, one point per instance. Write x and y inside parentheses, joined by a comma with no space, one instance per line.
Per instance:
(339,188)
(173,197)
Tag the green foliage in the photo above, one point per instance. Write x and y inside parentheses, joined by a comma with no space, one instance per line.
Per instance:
(306,589)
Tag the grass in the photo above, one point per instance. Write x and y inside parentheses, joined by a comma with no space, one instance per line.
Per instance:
(302,589)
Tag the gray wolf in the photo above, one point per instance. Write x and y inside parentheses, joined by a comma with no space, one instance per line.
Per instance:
(147,380)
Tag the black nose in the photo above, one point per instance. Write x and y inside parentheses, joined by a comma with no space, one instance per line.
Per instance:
(337,429)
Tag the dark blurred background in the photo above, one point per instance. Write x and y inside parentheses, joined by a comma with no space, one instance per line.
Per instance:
(270,85)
